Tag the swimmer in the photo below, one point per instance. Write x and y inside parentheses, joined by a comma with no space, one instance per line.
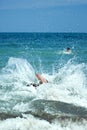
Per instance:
(67,51)
(40,78)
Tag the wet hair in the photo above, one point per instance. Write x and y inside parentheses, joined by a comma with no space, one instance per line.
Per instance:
(68,48)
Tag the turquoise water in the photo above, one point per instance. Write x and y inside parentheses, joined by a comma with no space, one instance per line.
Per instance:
(43,48)
(23,54)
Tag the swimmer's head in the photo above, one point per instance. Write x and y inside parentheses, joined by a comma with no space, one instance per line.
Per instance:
(68,49)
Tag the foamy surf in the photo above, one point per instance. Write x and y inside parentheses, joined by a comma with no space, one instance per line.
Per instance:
(67,85)
(32,123)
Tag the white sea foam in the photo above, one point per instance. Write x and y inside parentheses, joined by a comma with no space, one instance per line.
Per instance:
(19,68)
(67,85)
(32,123)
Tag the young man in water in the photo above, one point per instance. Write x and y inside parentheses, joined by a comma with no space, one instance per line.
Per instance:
(40,78)
(68,49)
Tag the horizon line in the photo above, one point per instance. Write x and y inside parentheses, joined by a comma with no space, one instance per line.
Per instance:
(42,32)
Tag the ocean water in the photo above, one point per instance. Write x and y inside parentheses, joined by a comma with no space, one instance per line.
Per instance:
(60,104)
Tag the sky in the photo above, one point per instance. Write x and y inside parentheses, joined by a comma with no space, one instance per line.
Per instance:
(43,16)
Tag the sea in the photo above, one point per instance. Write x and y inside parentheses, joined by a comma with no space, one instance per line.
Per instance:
(60,104)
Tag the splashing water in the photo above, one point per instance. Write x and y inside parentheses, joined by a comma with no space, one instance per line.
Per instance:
(27,108)
(69,82)
(67,85)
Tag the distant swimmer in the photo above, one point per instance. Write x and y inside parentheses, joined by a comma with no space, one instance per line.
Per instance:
(67,51)
(40,78)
